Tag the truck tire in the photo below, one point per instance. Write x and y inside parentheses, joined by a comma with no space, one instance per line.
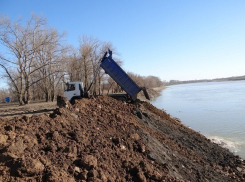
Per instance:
(122,99)
(72,101)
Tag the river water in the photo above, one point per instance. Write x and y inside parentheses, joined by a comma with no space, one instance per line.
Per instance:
(215,109)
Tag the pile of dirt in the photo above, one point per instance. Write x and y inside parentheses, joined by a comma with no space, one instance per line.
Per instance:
(102,139)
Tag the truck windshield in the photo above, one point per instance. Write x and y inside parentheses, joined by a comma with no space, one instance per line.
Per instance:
(70,87)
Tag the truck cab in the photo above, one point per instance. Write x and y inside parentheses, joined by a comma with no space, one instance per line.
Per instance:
(74,90)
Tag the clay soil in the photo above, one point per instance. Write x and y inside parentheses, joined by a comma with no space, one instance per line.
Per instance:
(102,139)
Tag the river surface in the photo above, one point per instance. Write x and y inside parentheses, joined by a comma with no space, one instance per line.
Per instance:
(215,109)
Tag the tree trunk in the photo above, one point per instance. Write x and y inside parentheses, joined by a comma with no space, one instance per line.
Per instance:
(46,96)
(52,93)
(19,96)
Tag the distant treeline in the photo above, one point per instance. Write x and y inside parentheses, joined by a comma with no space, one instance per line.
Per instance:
(234,78)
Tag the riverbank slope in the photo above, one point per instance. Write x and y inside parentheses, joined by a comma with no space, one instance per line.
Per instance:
(102,139)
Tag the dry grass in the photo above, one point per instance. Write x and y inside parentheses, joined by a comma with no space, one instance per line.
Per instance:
(158,89)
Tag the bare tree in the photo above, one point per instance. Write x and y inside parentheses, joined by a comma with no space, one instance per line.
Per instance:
(87,44)
(148,82)
(72,66)
(51,55)
(110,84)
(24,44)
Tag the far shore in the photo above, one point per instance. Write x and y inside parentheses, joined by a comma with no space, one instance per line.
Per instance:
(159,89)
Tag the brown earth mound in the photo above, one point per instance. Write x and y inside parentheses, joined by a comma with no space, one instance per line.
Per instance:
(102,139)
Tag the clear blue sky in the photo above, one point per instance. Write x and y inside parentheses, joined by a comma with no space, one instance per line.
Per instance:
(171,39)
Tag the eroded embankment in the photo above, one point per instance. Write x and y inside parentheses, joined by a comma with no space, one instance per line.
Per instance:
(102,139)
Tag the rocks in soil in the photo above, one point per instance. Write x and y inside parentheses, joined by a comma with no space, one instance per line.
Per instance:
(102,139)
(3,139)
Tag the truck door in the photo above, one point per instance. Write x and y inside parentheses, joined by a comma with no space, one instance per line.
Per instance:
(70,91)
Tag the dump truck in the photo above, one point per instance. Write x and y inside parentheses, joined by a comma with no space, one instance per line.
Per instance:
(76,90)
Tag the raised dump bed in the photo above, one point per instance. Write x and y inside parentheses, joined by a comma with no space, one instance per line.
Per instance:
(120,77)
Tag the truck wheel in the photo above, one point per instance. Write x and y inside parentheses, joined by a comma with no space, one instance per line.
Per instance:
(72,101)
(122,99)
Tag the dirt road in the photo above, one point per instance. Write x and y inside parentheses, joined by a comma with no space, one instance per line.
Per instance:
(13,109)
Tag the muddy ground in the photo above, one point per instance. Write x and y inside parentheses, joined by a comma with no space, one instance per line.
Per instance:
(102,139)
